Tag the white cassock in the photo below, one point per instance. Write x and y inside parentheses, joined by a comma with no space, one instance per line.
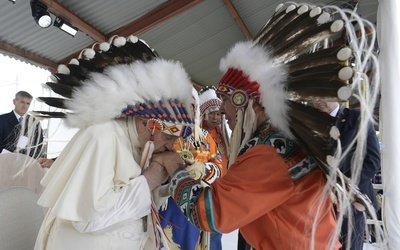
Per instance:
(95,192)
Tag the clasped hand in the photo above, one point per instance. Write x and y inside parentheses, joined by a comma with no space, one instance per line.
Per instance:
(170,160)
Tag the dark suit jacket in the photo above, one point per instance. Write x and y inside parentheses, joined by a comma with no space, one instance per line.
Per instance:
(347,124)
(9,131)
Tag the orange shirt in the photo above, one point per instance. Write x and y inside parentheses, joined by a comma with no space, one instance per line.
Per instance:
(221,149)
(258,196)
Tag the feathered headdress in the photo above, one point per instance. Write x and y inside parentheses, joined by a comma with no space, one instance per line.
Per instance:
(288,65)
(209,102)
(122,78)
(283,70)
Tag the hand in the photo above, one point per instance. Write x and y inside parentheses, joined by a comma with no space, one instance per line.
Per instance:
(155,175)
(45,163)
(171,160)
(196,170)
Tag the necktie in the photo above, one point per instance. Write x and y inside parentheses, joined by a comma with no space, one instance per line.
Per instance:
(20,119)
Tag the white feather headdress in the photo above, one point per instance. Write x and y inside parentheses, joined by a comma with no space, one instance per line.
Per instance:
(122,78)
(209,100)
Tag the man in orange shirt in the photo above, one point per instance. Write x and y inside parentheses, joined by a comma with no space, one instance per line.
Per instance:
(276,191)
(212,122)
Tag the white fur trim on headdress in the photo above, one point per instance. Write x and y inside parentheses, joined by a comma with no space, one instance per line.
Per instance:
(104,46)
(106,94)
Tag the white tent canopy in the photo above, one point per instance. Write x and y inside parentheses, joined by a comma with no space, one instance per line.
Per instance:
(389,43)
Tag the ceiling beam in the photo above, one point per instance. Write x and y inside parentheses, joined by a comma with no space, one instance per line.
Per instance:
(159,15)
(148,21)
(197,85)
(27,56)
(238,19)
(156,16)
(59,10)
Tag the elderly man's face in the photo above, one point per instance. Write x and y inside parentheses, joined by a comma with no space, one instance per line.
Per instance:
(162,141)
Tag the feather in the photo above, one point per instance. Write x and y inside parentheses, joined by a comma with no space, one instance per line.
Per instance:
(53,101)
(331,56)
(91,65)
(298,24)
(48,114)
(332,71)
(306,38)
(101,61)
(69,80)
(61,89)
(78,71)
(138,51)
(312,128)
(146,155)
(117,54)
(278,15)
(282,19)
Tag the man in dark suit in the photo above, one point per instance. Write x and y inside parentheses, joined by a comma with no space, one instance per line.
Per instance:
(347,124)
(11,123)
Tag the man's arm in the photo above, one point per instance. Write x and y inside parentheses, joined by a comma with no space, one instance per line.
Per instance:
(206,207)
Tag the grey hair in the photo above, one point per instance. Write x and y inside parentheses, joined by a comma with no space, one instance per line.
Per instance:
(23,94)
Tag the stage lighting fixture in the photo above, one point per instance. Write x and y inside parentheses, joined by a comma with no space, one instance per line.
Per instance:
(65,26)
(40,14)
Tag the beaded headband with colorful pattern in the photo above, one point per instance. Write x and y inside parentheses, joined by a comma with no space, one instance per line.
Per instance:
(236,85)
(209,101)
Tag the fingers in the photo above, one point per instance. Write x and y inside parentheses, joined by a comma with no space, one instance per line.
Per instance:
(45,163)
(170,160)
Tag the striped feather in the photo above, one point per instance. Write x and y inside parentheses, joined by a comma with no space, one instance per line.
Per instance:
(292,30)
(317,58)
(312,128)
(278,27)
(330,70)
(48,114)
(93,65)
(262,34)
(302,40)
(78,71)
(69,80)
(53,101)
(138,51)
(61,89)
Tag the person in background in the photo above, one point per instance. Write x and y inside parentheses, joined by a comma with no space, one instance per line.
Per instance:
(14,127)
(347,123)
(213,122)
(102,191)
